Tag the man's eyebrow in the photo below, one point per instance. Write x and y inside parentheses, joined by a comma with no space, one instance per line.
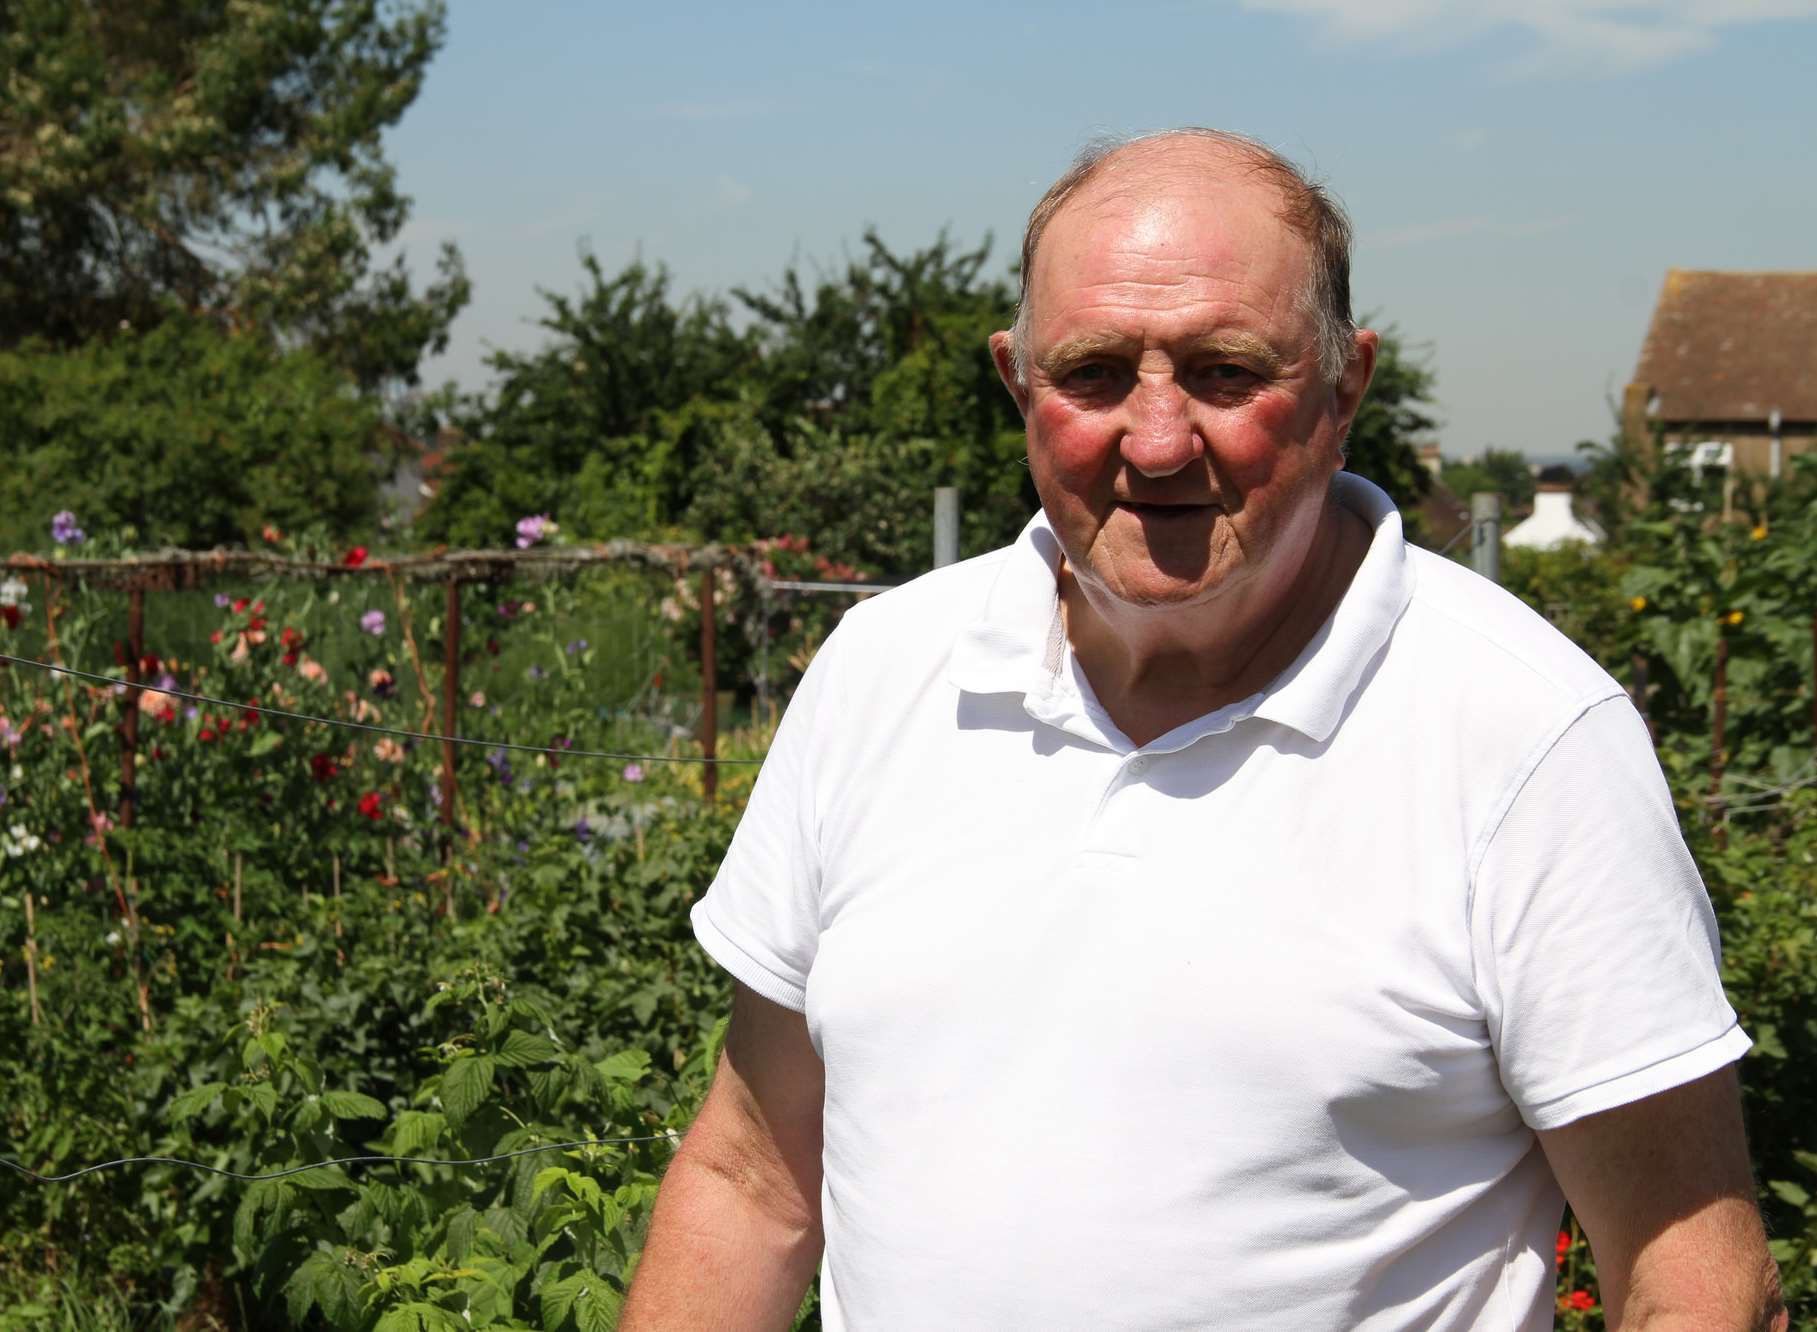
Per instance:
(1231,344)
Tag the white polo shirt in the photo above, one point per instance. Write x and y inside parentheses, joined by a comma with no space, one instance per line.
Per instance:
(1248,1027)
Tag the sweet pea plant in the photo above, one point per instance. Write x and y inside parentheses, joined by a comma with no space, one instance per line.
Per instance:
(287,954)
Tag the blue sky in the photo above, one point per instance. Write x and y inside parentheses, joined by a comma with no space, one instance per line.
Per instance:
(1521,174)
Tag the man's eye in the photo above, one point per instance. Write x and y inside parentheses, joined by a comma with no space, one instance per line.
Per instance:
(1093,374)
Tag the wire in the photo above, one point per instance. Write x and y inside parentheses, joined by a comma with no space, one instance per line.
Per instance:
(382,730)
(337,1161)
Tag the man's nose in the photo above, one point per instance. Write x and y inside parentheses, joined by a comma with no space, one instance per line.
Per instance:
(1160,438)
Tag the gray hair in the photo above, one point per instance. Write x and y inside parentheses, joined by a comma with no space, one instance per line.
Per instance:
(1307,207)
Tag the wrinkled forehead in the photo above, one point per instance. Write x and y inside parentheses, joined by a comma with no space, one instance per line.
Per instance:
(1195,209)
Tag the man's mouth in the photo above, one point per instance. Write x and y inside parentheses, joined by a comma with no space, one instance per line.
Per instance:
(1155,510)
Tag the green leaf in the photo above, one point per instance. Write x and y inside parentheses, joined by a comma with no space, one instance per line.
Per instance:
(194,1101)
(464,1087)
(1790,1192)
(264,742)
(596,1304)
(521,1049)
(558,1300)
(462,1225)
(625,1066)
(415,1130)
(353,1105)
(263,1096)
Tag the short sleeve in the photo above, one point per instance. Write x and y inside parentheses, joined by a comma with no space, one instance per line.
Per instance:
(760,920)
(1593,939)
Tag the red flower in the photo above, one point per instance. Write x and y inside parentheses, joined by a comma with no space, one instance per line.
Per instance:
(322,768)
(1581,1299)
(206,736)
(215,637)
(257,622)
(240,604)
(1564,1243)
(290,637)
(290,658)
(370,805)
(355,557)
(11,615)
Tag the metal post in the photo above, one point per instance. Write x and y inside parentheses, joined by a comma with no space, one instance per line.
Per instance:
(129,730)
(709,689)
(946,526)
(451,693)
(1486,535)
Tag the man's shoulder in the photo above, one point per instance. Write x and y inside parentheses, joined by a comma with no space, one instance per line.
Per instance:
(1475,627)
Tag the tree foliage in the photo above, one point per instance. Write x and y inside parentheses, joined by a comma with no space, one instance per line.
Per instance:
(1394,414)
(181,436)
(219,158)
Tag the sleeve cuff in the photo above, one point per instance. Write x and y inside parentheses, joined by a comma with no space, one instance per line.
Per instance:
(1641,1083)
(723,949)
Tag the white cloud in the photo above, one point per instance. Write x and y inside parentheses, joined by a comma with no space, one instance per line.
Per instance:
(731,192)
(1568,35)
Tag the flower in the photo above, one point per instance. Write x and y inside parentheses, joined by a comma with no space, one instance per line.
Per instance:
(311,669)
(583,831)
(11,615)
(19,841)
(1733,617)
(239,605)
(578,645)
(64,531)
(477,699)
(1564,1243)
(12,593)
(373,622)
(372,805)
(322,768)
(271,534)
(222,600)
(1580,1299)
(633,772)
(381,682)
(533,529)
(1637,603)
(1759,533)
(388,751)
(355,557)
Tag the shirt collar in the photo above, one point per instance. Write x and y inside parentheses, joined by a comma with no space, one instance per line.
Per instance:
(1016,645)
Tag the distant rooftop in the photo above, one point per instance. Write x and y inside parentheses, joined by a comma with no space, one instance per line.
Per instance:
(1732,347)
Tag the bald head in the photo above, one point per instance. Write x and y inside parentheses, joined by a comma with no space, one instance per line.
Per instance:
(1202,159)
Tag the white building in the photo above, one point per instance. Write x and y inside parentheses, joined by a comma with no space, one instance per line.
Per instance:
(1552,522)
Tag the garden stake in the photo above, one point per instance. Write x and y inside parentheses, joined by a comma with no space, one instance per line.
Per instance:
(416,657)
(31,958)
(451,685)
(1718,721)
(129,730)
(709,691)
(237,877)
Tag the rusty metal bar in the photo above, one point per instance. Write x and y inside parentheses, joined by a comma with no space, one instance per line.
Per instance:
(709,689)
(129,729)
(451,692)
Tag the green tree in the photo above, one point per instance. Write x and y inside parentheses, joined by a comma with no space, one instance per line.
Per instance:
(1500,471)
(185,435)
(219,158)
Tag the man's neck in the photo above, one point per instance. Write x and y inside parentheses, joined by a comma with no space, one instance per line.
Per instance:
(1157,667)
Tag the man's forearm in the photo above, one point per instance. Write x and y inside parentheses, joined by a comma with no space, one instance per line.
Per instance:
(718,1256)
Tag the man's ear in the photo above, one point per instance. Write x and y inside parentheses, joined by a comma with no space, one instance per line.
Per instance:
(1354,382)
(1000,353)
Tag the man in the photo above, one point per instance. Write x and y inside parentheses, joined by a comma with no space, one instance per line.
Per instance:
(1207,912)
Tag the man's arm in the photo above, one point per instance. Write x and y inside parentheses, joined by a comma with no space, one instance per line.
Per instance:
(735,1236)
(1664,1190)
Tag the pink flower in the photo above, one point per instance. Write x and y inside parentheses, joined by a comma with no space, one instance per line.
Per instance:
(634,772)
(373,622)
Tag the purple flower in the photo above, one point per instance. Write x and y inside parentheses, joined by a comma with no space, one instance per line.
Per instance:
(583,831)
(500,765)
(522,846)
(578,645)
(222,600)
(435,794)
(189,713)
(373,622)
(63,529)
(533,529)
(634,772)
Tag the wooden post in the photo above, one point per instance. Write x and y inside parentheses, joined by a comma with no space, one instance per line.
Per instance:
(451,690)
(129,730)
(709,689)
(238,882)
(1639,663)
(31,958)
(1719,716)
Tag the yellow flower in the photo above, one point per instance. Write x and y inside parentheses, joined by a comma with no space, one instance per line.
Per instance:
(1759,533)
(1637,603)
(1733,617)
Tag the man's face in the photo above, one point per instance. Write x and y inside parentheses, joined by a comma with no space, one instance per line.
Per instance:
(1181,437)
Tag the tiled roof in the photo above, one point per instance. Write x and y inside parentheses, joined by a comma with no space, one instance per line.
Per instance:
(1732,347)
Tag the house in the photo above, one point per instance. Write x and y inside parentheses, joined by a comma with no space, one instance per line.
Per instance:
(1728,371)
(1553,522)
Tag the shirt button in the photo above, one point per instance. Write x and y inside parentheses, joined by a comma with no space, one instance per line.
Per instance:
(1138,766)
